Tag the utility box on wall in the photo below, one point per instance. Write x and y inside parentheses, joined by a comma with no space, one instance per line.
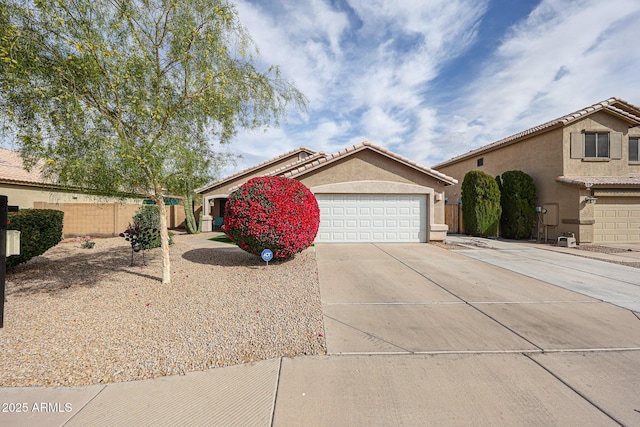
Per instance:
(13,242)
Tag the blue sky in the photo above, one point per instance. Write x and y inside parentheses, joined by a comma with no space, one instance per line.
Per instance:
(431,79)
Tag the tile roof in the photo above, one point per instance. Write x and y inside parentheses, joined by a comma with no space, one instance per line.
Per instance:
(321,159)
(616,106)
(299,163)
(327,159)
(12,169)
(632,181)
(254,168)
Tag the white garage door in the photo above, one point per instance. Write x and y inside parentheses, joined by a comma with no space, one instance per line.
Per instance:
(617,220)
(372,218)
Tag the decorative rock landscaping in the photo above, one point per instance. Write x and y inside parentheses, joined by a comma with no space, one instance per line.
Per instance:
(80,317)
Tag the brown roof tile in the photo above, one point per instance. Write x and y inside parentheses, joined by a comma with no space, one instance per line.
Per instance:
(254,168)
(632,181)
(321,159)
(12,169)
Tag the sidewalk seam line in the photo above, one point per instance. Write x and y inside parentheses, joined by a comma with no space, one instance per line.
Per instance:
(573,389)
(275,393)
(86,404)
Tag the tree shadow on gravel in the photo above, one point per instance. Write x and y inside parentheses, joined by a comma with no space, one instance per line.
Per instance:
(227,257)
(54,274)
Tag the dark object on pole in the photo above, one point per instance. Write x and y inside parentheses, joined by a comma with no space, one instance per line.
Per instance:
(4,202)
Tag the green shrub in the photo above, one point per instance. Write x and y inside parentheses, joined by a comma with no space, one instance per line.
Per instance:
(148,218)
(480,204)
(40,230)
(518,201)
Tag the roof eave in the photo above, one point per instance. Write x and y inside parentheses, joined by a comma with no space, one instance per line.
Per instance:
(254,168)
(497,145)
(367,145)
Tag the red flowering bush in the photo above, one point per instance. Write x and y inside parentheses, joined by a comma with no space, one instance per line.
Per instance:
(273,213)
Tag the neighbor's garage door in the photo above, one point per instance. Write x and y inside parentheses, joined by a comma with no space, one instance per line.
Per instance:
(372,218)
(617,220)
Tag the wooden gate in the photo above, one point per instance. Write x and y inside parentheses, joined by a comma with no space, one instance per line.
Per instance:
(453,218)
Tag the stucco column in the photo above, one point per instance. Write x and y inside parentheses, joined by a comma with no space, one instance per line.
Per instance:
(437,229)
(207,220)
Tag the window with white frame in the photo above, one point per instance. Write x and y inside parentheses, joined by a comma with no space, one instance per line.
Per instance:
(633,149)
(596,145)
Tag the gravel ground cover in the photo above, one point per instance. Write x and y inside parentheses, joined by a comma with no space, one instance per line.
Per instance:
(85,316)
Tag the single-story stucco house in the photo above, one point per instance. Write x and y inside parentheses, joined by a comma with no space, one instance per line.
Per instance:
(365,193)
(586,168)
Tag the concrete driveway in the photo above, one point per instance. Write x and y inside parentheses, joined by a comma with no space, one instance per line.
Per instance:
(614,283)
(418,335)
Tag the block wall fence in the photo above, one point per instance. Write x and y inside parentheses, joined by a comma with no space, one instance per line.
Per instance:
(105,219)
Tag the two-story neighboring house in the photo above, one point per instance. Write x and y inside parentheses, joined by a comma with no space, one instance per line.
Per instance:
(585,166)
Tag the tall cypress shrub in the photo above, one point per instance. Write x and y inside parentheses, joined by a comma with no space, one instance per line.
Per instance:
(518,201)
(481,208)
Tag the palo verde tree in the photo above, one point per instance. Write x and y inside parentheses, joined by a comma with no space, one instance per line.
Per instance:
(116,95)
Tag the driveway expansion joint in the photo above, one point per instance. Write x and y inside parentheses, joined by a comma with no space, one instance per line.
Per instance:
(460,298)
(366,333)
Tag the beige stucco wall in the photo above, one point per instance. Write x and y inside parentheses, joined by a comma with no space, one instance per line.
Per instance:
(600,121)
(539,156)
(85,214)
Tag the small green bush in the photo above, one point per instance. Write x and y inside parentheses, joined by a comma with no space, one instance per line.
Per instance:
(40,230)
(148,218)
(518,201)
(481,208)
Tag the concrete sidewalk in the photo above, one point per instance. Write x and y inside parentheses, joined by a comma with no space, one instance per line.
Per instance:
(416,335)
(451,389)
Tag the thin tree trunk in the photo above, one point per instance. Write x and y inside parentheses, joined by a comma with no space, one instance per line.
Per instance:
(164,238)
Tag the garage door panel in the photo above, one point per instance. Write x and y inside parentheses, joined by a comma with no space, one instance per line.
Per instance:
(617,220)
(372,218)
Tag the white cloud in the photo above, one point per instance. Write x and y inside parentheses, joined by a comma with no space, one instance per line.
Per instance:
(566,55)
(363,66)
